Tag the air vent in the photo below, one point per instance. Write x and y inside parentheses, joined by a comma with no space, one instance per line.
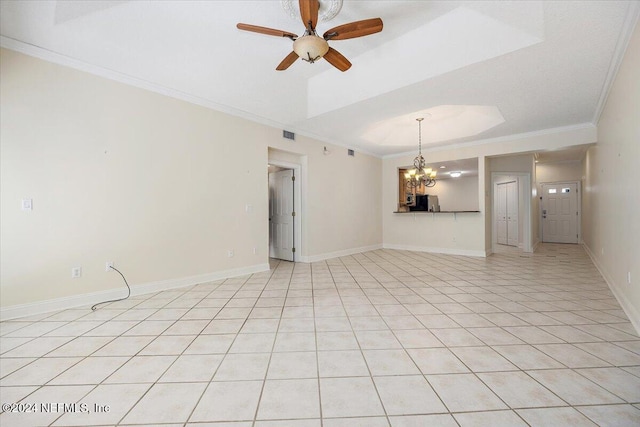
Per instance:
(351,152)
(288,135)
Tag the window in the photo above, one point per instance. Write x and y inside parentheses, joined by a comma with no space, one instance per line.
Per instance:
(566,190)
(552,191)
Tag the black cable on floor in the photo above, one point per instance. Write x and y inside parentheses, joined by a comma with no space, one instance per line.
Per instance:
(93,308)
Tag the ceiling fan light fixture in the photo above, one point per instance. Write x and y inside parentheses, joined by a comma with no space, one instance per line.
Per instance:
(310,47)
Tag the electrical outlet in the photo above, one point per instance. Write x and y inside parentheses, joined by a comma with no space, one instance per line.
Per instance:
(27,204)
(230,254)
(76,272)
(108,265)
(629,277)
(601,251)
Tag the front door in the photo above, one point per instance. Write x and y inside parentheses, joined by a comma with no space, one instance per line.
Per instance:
(281,215)
(560,213)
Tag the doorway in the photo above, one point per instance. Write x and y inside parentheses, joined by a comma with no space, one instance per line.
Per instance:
(282,214)
(560,212)
(281,161)
(507,213)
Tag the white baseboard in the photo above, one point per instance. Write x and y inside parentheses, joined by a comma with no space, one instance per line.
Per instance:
(628,308)
(40,307)
(535,245)
(446,251)
(337,254)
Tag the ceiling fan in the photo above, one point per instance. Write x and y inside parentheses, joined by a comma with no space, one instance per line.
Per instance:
(310,47)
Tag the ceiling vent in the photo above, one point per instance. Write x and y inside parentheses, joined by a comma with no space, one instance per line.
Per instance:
(351,152)
(289,135)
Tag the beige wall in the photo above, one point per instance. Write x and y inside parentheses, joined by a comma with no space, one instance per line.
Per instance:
(457,194)
(560,171)
(611,198)
(157,185)
(514,163)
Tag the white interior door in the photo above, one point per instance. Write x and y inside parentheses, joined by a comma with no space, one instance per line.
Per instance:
(501,214)
(506,219)
(512,213)
(560,213)
(281,215)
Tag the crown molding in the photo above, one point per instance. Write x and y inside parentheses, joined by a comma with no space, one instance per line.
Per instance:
(67,61)
(506,138)
(631,20)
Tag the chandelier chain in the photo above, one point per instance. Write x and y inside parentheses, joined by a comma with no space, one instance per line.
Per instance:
(420,135)
(420,175)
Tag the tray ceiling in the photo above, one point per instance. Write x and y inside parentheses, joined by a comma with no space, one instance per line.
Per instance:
(486,69)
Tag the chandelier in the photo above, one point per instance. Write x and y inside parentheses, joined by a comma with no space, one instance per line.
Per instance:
(420,174)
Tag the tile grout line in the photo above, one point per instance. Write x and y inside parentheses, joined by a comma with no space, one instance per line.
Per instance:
(413,361)
(273,346)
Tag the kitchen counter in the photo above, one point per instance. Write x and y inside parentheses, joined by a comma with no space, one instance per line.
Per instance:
(455,213)
(432,212)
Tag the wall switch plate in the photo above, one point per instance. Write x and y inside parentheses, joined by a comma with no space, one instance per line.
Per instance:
(76,272)
(230,254)
(248,208)
(27,204)
(108,265)
(629,277)
(255,250)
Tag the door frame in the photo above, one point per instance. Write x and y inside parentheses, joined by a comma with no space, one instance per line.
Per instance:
(297,205)
(578,202)
(524,184)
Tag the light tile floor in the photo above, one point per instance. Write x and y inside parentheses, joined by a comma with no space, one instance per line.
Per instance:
(383,338)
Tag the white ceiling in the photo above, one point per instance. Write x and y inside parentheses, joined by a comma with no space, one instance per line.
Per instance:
(468,167)
(481,69)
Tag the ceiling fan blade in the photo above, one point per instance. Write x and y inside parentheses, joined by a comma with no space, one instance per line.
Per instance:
(354,29)
(265,30)
(336,59)
(309,12)
(286,62)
